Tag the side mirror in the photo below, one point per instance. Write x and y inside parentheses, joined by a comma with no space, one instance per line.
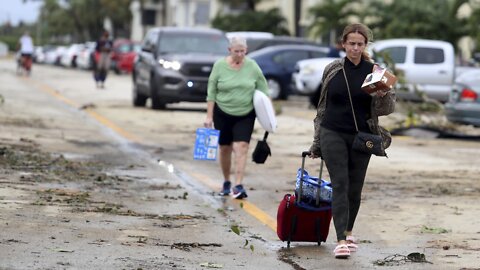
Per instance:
(147,48)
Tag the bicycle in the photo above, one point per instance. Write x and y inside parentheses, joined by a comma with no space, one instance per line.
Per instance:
(24,64)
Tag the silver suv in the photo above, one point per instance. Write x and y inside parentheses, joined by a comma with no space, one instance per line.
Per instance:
(174,65)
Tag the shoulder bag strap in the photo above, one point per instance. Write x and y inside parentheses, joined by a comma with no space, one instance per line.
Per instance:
(350,97)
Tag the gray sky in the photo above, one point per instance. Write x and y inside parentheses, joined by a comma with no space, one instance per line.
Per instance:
(16,11)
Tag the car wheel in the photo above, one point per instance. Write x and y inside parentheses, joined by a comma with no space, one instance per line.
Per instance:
(275,88)
(139,99)
(157,103)
(74,62)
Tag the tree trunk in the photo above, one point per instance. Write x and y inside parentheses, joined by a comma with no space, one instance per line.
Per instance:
(251,5)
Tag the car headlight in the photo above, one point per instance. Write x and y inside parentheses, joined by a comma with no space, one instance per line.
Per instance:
(308,70)
(175,65)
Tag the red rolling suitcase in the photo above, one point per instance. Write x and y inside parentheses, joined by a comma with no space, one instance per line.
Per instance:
(301,222)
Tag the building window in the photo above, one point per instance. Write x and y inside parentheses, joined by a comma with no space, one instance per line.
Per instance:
(148,17)
(202,13)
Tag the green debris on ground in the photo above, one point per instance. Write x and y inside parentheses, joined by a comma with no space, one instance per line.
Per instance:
(398,259)
(211,265)
(235,229)
(433,230)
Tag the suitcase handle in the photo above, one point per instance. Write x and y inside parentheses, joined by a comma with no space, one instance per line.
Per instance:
(317,199)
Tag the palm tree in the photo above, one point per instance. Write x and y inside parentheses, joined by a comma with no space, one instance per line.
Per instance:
(474,26)
(330,18)
(416,19)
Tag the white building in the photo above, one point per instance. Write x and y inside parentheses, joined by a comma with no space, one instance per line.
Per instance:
(199,13)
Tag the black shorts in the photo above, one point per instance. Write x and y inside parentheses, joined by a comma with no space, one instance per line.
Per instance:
(233,128)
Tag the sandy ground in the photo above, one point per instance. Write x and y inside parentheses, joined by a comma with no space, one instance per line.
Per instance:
(88,181)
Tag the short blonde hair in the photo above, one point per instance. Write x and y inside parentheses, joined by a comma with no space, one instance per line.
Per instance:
(237,40)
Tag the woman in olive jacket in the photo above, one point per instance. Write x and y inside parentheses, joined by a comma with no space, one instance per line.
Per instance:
(335,130)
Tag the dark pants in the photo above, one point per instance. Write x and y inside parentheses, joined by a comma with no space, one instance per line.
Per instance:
(100,75)
(101,67)
(347,169)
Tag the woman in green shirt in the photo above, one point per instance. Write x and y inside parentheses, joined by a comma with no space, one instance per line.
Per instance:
(231,85)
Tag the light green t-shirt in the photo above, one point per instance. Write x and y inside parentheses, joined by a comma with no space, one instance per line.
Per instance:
(232,89)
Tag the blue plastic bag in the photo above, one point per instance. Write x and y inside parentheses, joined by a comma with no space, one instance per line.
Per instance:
(206,144)
(310,188)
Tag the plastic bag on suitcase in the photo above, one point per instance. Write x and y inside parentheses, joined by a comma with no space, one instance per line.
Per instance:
(310,186)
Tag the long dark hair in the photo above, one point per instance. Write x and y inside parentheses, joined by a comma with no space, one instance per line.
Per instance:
(362,30)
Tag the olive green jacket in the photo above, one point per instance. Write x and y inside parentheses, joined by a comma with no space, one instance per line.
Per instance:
(380,106)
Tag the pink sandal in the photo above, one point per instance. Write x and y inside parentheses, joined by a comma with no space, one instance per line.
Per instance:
(341,251)
(352,243)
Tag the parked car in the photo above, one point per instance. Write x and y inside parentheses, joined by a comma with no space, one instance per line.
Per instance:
(85,58)
(278,63)
(53,56)
(250,34)
(174,65)
(257,43)
(69,57)
(123,54)
(427,65)
(463,105)
(39,54)
(307,77)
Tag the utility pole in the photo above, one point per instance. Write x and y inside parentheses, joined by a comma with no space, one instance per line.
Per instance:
(38,32)
(297,16)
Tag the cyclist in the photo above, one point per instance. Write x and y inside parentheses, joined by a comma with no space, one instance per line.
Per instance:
(25,47)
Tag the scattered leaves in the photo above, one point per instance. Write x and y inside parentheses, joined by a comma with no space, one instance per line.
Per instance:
(211,265)
(235,229)
(426,229)
(398,259)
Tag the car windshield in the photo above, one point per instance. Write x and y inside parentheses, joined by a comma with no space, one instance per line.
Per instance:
(182,43)
(125,48)
(137,48)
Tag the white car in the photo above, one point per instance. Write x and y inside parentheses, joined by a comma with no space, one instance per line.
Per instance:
(39,54)
(52,57)
(427,65)
(249,34)
(85,56)
(69,57)
(308,74)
